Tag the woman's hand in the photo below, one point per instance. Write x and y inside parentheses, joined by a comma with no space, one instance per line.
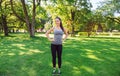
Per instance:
(47,34)
(63,39)
(66,35)
(51,39)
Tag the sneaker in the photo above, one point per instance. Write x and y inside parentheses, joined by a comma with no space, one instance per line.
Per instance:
(54,71)
(59,72)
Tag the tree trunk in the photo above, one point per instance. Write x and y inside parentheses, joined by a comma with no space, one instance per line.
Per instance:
(33,18)
(72,17)
(29,25)
(31,30)
(89,33)
(4,24)
(89,27)
(3,20)
(72,34)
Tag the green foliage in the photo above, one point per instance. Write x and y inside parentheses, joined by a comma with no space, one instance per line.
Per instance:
(72,12)
(5,7)
(86,34)
(116,5)
(82,33)
(48,26)
(76,15)
(105,15)
(17,4)
(41,17)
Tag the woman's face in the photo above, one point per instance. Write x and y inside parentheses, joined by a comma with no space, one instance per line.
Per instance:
(57,21)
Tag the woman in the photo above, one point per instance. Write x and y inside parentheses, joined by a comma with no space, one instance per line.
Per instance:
(56,43)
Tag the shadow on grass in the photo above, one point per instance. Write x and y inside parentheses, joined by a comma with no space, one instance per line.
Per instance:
(24,56)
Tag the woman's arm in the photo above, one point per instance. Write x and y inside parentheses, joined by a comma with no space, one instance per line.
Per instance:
(48,32)
(66,34)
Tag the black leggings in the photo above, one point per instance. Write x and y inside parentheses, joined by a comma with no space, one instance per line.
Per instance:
(56,49)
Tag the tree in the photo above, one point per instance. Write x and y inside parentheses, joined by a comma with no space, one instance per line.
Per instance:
(30,24)
(69,11)
(30,11)
(109,9)
(29,20)
(5,12)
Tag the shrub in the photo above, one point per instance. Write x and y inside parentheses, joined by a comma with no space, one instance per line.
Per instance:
(82,33)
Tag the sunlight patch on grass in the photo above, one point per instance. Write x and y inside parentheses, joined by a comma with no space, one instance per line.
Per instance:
(21,53)
(88,50)
(115,49)
(75,38)
(21,46)
(76,70)
(94,57)
(41,35)
(36,51)
(88,69)
(30,52)
(11,54)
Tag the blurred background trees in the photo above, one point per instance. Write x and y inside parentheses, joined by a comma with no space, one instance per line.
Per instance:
(77,16)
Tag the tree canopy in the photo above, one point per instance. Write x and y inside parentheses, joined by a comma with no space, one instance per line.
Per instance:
(77,15)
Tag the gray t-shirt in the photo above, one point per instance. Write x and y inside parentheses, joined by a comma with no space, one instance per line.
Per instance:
(58,34)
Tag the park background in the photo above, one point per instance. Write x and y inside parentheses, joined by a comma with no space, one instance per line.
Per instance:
(92,48)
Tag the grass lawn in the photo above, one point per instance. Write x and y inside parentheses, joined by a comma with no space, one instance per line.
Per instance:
(24,56)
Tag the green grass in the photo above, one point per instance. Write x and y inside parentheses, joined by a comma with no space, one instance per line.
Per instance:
(24,56)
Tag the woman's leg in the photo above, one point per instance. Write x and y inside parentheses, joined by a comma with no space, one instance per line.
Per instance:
(59,54)
(53,51)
